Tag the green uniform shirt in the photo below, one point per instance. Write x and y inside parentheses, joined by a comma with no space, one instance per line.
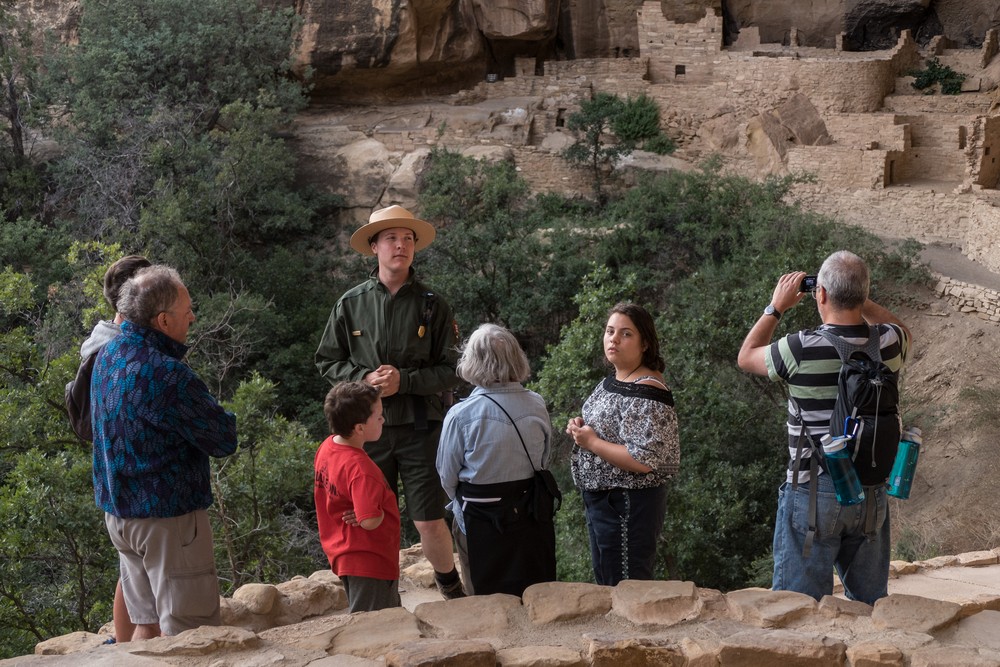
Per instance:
(414,331)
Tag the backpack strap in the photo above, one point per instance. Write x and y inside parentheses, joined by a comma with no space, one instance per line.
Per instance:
(871,347)
(813,474)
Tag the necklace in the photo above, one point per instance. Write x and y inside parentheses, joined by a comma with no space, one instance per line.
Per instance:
(630,374)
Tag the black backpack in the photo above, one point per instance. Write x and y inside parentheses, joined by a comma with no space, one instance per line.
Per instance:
(77,396)
(867,407)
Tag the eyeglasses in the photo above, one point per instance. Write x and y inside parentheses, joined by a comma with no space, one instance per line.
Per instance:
(814,291)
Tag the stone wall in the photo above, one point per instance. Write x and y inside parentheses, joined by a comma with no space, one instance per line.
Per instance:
(924,214)
(679,51)
(563,624)
(840,167)
(987,140)
(868,130)
(966,298)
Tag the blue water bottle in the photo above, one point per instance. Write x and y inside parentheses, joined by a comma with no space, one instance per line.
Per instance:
(841,470)
(905,464)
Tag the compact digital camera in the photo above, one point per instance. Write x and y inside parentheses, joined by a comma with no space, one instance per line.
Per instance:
(808,284)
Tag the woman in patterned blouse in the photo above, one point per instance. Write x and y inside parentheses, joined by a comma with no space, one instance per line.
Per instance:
(627,449)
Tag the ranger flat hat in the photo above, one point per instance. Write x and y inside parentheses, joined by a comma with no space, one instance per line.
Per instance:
(388,218)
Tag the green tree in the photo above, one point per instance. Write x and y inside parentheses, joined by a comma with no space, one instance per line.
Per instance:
(608,128)
(20,102)
(176,150)
(594,148)
(502,255)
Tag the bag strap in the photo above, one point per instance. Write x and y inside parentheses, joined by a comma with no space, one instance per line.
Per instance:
(872,347)
(813,474)
(516,430)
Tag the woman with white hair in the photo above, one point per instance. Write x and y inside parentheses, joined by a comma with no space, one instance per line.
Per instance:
(491,445)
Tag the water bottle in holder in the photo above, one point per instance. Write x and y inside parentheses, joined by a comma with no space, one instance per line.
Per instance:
(905,465)
(841,470)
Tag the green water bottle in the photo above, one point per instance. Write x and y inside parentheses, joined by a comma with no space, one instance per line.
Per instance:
(905,464)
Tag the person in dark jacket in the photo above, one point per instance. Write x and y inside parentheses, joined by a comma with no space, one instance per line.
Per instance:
(395,333)
(78,395)
(155,425)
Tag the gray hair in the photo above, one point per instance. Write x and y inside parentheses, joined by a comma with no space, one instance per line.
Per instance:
(845,278)
(148,293)
(492,355)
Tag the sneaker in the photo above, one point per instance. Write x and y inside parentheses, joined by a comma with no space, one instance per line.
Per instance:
(109,640)
(450,591)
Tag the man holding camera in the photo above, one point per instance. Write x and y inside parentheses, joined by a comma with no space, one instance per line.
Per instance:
(853,539)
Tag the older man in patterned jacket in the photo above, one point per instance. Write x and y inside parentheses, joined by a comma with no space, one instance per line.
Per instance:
(155,425)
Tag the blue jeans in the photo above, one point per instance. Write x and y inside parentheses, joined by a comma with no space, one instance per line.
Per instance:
(853,539)
(624,526)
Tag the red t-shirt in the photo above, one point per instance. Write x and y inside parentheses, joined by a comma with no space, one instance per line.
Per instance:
(346,478)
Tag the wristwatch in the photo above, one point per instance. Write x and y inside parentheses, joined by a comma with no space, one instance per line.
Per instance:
(771,310)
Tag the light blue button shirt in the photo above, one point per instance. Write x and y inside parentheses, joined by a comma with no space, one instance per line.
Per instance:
(480,445)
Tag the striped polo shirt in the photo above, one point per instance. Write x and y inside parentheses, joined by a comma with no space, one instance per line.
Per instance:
(809,364)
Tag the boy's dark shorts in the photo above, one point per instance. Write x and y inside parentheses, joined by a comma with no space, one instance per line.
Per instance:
(402,453)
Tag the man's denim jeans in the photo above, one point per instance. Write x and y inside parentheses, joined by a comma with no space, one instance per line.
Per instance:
(861,561)
(624,525)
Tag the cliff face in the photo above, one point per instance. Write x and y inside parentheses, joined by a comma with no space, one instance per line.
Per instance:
(390,48)
(370,50)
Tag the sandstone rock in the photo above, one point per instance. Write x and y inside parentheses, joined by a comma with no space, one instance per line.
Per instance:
(464,618)
(982,629)
(421,574)
(903,567)
(769,609)
(71,643)
(977,558)
(980,603)
(940,561)
(446,653)
(798,115)
(370,49)
(713,604)
(563,601)
(817,24)
(402,188)
(952,656)
(721,133)
(302,598)
(346,661)
(326,577)
(200,641)
(531,20)
(766,142)
(540,656)
(912,613)
(875,654)
(360,172)
(257,598)
(662,602)
(606,651)
(364,634)
(700,653)
(834,607)
(781,647)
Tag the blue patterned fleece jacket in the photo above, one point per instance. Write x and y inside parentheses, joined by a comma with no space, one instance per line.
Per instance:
(155,425)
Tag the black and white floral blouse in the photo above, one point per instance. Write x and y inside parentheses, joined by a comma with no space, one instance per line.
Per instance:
(639,416)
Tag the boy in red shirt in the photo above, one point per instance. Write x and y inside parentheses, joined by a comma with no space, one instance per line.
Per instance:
(356,510)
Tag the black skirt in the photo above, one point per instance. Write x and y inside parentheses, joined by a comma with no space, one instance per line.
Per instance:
(510,548)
